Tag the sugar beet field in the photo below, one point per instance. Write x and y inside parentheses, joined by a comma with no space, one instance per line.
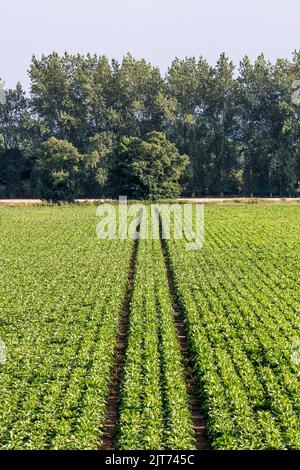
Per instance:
(143,344)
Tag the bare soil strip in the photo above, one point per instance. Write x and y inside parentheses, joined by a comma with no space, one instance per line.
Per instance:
(111,424)
(192,389)
(206,200)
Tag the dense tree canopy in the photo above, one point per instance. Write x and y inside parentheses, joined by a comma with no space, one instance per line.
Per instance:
(57,170)
(88,121)
(149,168)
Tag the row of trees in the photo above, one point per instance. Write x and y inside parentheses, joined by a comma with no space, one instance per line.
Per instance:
(91,127)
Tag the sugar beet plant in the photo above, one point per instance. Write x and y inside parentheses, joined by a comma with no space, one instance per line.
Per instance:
(240,296)
(61,294)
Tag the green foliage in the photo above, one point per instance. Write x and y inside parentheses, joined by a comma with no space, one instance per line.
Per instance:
(59,319)
(94,173)
(16,134)
(240,298)
(228,123)
(154,407)
(57,170)
(146,169)
(59,316)
(140,102)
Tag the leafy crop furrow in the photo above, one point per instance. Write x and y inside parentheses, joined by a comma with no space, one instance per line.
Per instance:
(241,323)
(59,320)
(154,408)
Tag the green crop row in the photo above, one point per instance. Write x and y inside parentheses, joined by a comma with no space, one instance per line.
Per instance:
(61,293)
(154,406)
(240,296)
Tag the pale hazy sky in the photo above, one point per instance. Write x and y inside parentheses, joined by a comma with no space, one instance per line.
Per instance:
(158,30)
